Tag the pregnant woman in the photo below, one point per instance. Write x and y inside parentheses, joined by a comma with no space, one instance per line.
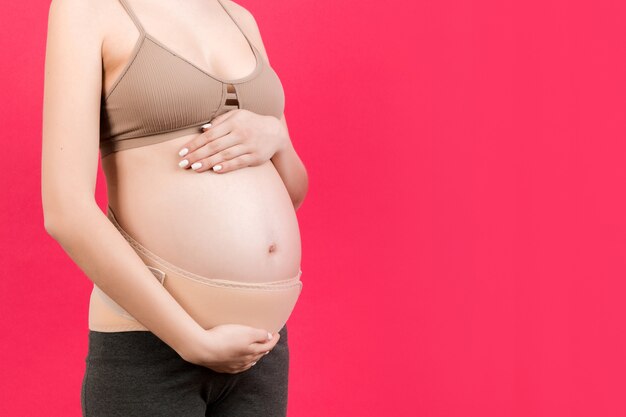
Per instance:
(196,264)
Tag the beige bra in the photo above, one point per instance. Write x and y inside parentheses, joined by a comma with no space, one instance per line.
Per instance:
(161,95)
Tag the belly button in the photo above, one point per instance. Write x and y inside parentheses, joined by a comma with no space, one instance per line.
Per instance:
(272,248)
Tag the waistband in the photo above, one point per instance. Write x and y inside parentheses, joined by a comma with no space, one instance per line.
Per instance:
(269,285)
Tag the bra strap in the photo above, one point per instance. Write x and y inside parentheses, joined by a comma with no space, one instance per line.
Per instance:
(132,15)
(236,23)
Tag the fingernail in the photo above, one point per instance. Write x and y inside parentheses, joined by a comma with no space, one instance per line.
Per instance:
(269,336)
(217,167)
(183,163)
(183,152)
(206,126)
(267,352)
(196,165)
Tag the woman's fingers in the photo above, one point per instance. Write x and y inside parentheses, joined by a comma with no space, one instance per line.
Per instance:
(261,348)
(223,117)
(234,157)
(254,358)
(248,362)
(207,150)
(213,133)
(241,161)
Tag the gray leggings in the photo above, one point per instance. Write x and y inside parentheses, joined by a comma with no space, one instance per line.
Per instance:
(136,374)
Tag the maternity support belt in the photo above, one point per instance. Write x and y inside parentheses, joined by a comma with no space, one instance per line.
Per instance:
(211,302)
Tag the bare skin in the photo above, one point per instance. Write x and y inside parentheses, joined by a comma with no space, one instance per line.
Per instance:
(238,223)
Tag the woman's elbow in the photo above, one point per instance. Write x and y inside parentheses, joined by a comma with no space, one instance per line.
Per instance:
(59,219)
(298,198)
(50,226)
(52,222)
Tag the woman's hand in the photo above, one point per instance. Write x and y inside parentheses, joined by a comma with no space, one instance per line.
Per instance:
(236,139)
(230,348)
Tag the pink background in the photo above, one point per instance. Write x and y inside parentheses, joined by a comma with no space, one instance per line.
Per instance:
(464,235)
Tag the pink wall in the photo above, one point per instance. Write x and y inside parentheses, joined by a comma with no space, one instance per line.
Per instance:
(464,236)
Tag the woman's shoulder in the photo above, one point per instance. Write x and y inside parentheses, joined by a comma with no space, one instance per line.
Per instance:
(90,9)
(86,16)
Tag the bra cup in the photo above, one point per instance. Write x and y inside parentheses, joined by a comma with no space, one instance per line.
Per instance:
(158,93)
(263,95)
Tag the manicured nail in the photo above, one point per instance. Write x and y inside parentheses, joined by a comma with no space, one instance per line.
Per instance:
(206,126)
(217,167)
(196,165)
(253,363)
(183,163)
(267,352)
(183,152)
(269,336)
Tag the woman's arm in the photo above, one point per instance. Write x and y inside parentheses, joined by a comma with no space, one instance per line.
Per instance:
(287,162)
(72,93)
(291,169)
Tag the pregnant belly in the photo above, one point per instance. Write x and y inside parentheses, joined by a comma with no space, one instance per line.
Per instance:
(239,225)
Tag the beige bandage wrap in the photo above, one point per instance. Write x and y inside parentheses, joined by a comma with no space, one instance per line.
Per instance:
(210,302)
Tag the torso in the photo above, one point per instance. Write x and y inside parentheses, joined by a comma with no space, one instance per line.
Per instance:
(240,225)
